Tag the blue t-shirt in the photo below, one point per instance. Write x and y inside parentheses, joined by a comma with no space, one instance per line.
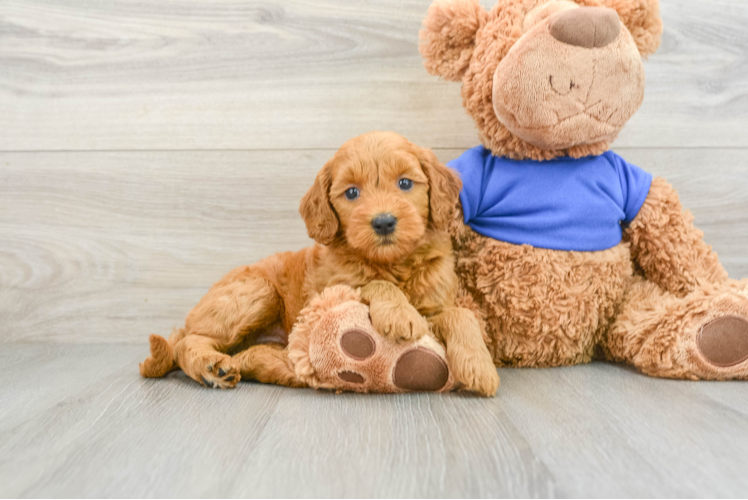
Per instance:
(561,204)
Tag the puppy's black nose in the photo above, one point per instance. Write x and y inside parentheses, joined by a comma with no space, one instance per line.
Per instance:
(384,224)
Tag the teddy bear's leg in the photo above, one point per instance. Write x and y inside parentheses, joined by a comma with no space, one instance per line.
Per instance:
(702,336)
(334,346)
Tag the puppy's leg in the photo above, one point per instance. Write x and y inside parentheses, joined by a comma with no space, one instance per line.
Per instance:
(227,313)
(467,353)
(200,358)
(391,313)
(269,364)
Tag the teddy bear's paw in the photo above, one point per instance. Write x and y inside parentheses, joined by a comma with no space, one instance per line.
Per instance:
(715,346)
(220,372)
(335,346)
(743,287)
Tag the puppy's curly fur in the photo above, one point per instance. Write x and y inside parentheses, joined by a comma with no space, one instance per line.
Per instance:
(407,276)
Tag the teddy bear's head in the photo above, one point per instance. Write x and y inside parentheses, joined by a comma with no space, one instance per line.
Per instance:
(544,78)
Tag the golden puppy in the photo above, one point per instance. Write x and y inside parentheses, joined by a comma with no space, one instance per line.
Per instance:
(378,211)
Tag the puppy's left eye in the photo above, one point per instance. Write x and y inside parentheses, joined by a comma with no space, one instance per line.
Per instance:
(406,184)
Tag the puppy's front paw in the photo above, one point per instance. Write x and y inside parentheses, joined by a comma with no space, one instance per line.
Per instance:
(474,369)
(398,321)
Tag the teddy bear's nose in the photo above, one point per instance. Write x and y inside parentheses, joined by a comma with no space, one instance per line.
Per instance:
(588,27)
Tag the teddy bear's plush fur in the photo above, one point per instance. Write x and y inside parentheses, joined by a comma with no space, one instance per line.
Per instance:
(545,79)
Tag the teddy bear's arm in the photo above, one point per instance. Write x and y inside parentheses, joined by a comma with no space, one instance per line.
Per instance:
(667,246)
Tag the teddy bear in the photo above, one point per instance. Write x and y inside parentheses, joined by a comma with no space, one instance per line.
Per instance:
(564,250)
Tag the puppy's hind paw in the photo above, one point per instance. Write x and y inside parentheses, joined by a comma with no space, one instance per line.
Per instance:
(221,373)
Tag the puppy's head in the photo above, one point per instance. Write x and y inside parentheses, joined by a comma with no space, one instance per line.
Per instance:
(380,195)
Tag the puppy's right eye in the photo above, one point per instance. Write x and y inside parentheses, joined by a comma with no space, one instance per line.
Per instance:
(352,193)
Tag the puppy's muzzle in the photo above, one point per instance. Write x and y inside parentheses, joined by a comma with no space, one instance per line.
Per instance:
(384,224)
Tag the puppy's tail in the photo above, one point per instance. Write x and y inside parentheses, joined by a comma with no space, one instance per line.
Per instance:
(161,360)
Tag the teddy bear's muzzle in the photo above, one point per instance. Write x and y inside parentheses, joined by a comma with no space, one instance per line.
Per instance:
(573,79)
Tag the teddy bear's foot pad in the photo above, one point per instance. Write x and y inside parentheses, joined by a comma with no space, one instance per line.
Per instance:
(420,370)
(352,377)
(724,341)
(357,344)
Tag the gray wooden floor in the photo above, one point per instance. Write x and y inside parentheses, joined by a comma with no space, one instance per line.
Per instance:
(146,148)
(77,420)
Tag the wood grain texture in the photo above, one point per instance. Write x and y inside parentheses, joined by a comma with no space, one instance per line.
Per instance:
(609,426)
(227,74)
(586,431)
(109,247)
(37,377)
(114,222)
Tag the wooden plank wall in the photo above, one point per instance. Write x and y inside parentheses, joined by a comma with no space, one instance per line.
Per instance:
(148,147)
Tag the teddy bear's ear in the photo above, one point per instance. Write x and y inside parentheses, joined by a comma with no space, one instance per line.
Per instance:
(448,36)
(642,18)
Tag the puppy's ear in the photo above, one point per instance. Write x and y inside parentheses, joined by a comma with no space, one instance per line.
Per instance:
(315,208)
(444,188)
(448,36)
(642,18)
